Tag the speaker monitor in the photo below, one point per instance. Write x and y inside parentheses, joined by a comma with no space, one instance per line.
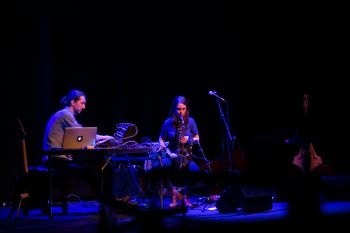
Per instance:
(248,199)
(257,204)
(230,199)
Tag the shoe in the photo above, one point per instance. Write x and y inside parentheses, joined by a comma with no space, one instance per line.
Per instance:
(174,197)
(188,203)
(132,203)
(126,202)
(124,199)
(172,205)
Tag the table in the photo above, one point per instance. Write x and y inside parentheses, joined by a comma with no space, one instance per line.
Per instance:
(108,151)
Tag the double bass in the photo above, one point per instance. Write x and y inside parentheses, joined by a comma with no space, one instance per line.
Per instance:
(237,162)
(307,159)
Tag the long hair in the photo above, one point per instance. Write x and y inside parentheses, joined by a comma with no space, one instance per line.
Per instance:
(72,95)
(173,109)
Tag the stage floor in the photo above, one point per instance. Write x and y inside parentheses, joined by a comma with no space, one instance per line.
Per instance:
(84,216)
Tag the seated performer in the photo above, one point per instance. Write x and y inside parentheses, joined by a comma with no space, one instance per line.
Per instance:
(180,130)
(74,103)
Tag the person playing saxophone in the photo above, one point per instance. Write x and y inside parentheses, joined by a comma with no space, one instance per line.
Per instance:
(180,132)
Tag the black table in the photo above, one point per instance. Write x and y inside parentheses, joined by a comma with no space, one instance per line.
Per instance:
(118,152)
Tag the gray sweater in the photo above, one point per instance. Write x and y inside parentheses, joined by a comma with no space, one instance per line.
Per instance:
(54,132)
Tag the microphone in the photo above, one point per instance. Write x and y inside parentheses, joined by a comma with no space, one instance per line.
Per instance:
(213,93)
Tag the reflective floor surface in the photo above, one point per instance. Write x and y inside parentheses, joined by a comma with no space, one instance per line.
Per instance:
(85,216)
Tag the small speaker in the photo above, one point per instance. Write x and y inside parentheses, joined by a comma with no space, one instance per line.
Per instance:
(248,199)
(230,199)
(257,198)
(257,204)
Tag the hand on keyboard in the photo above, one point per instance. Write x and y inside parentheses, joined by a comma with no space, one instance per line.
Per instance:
(104,139)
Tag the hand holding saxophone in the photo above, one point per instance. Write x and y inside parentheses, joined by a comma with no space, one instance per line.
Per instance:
(169,153)
(172,155)
(184,139)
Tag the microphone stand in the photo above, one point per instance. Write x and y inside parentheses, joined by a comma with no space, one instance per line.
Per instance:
(229,136)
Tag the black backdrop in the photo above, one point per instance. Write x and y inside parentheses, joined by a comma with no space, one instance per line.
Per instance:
(132,60)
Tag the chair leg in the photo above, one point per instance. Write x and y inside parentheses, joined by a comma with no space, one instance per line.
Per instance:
(19,207)
(23,196)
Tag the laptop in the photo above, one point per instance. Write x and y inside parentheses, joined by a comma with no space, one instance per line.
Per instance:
(79,137)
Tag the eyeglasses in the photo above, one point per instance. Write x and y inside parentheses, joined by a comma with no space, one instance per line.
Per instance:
(181,109)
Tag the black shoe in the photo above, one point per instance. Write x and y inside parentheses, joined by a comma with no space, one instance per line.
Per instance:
(124,199)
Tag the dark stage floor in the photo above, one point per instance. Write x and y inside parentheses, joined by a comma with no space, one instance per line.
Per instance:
(84,216)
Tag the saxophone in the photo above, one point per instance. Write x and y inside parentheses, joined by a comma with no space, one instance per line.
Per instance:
(183,152)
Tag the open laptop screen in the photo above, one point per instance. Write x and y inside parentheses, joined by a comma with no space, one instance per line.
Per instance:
(79,137)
